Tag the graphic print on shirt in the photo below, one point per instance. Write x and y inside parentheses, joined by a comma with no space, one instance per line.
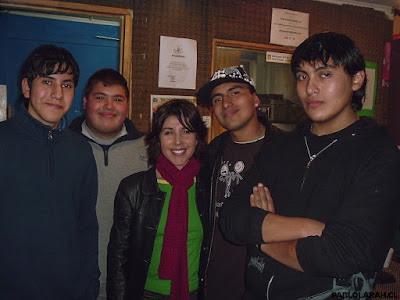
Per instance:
(257,262)
(230,174)
(236,160)
(230,177)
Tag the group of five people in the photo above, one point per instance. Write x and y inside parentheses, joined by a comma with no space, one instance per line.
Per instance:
(257,214)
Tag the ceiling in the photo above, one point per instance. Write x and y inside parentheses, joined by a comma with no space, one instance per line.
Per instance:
(380,5)
(390,3)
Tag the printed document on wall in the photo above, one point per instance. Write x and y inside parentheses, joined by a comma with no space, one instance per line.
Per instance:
(178,63)
(288,27)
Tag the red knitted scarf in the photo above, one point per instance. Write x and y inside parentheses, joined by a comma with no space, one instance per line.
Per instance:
(174,264)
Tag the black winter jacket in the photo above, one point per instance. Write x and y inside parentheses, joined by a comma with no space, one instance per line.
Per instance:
(216,150)
(138,206)
(352,186)
(48,224)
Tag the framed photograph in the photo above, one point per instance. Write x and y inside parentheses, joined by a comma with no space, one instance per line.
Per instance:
(370,91)
(158,100)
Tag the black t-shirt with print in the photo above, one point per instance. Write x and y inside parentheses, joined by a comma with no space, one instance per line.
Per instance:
(225,274)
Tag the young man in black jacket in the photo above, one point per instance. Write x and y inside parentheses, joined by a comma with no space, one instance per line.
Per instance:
(48,184)
(329,224)
(234,101)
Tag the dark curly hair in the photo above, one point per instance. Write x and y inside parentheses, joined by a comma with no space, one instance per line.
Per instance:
(338,47)
(188,115)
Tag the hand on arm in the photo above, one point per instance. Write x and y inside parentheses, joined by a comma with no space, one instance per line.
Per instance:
(262,198)
(281,233)
(276,228)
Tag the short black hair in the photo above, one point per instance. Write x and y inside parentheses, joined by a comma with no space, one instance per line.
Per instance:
(46,60)
(338,47)
(108,77)
(188,115)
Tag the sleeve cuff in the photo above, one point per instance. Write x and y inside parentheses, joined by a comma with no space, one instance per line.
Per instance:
(255,220)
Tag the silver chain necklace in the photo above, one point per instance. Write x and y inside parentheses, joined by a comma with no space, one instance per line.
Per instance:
(314,156)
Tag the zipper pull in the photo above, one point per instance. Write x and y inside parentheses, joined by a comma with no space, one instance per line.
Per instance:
(50,135)
(312,157)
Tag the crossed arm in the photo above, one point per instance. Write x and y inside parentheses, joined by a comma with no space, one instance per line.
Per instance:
(276,228)
(281,233)
(359,228)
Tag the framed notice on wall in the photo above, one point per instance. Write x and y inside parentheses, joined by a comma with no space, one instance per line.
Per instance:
(370,90)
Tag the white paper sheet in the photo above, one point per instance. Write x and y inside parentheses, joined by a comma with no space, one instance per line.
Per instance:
(178,63)
(288,27)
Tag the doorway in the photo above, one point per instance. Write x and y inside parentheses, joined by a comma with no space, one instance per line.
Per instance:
(97,36)
(93,43)
(269,67)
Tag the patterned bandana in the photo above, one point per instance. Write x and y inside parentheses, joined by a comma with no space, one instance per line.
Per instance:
(229,74)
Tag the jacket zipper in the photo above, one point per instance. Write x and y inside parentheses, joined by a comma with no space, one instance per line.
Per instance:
(213,221)
(51,154)
(305,176)
(269,286)
(106,156)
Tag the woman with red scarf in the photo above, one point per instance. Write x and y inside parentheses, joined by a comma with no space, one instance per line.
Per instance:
(160,239)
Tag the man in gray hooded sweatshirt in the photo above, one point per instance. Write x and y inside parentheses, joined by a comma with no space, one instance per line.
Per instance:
(117,145)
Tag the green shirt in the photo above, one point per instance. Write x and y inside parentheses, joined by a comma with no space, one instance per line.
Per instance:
(195,238)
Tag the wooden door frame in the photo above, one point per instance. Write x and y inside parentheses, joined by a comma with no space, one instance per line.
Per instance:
(238,45)
(69,8)
(246,46)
